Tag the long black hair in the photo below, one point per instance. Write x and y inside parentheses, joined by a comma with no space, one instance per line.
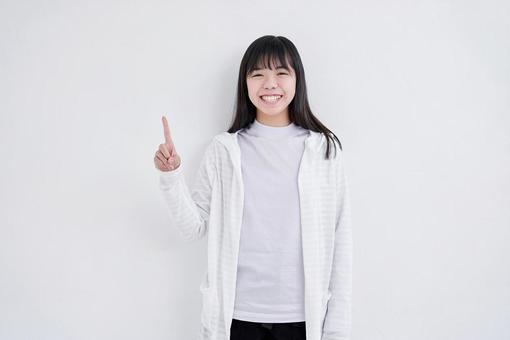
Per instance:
(281,51)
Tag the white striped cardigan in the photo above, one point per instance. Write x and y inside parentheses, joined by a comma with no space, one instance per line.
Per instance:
(215,206)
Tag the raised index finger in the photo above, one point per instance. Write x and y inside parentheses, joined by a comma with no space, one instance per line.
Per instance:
(166,131)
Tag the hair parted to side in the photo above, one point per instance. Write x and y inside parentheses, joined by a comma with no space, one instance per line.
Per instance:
(282,51)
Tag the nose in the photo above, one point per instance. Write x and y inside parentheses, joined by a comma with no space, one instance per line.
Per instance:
(270,82)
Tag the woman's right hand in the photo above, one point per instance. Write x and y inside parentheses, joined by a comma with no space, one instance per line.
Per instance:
(166,158)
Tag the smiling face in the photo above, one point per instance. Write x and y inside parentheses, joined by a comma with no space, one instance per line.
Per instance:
(271,90)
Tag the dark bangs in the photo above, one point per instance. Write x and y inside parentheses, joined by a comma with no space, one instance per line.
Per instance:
(268,54)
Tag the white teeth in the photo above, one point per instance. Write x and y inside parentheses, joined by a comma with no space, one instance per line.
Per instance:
(271,98)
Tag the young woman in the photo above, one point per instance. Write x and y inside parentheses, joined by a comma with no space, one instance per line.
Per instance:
(272,197)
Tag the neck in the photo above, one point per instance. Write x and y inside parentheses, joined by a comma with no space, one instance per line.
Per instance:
(278,120)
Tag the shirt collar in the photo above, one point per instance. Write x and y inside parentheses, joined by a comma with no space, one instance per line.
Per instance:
(258,129)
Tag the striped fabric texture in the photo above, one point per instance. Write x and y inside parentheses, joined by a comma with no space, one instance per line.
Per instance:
(214,207)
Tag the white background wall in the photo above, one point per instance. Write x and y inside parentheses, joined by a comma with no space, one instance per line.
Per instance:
(417,91)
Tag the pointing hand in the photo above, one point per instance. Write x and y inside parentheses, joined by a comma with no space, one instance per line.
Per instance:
(166,158)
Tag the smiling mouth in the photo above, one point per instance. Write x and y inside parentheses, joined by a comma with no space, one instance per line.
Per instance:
(270,99)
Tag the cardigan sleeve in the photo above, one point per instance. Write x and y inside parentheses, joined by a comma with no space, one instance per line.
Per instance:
(189,209)
(337,323)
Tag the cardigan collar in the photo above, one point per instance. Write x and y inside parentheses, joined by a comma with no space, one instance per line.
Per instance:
(313,143)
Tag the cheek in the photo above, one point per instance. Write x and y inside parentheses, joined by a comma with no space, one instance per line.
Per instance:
(252,92)
(252,88)
(289,83)
(290,88)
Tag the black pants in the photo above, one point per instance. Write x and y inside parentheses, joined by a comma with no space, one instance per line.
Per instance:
(247,330)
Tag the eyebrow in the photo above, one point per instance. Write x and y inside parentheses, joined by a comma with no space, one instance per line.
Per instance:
(278,67)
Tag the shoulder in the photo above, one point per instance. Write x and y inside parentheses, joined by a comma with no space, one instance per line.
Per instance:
(224,140)
(217,144)
(328,140)
(337,153)
(222,136)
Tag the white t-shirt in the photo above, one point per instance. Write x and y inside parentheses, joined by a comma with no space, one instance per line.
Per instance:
(270,275)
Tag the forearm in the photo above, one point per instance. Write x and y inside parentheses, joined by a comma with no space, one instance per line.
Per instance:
(184,213)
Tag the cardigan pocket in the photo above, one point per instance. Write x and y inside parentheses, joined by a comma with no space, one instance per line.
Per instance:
(205,290)
(324,309)
(207,306)
(207,303)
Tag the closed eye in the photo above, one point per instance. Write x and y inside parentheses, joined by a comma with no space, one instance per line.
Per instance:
(256,75)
